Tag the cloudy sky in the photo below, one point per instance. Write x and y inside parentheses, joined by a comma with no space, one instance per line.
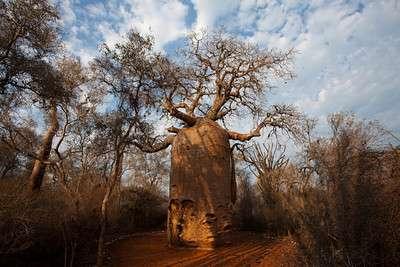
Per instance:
(348,51)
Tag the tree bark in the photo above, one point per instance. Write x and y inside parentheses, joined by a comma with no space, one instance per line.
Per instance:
(174,112)
(153,148)
(39,167)
(201,187)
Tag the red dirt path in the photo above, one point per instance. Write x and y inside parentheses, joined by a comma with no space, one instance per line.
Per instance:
(247,249)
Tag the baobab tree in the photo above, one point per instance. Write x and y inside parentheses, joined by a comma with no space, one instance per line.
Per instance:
(217,77)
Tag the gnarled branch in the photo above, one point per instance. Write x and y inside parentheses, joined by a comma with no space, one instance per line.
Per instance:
(283,117)
(246,137)
(174,112)
(153,148)
(173,129)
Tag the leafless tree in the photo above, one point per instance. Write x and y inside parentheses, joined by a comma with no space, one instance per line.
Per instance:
(269,164)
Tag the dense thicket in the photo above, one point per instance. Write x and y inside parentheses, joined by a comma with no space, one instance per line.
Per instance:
(340,201)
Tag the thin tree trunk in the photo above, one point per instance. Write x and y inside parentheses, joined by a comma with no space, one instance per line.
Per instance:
(104,208)
(39,168)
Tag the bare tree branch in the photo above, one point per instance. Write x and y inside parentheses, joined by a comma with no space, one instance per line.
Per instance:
(173,129)
(156,147)
(221,75)
(283,117)
(174,112)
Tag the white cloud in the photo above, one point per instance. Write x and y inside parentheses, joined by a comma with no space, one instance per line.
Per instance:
(348,53)
(348,50)
(165,20)
(350,62)
(68,12)
(209,11)
(96,9)
(88,25)
(110,36)
(273,18)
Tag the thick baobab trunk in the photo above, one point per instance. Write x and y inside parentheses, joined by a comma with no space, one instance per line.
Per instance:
(39,167)
(201,187)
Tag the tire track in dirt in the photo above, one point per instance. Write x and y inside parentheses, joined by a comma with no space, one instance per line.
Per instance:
(229,256)
(246,249)
(221,257)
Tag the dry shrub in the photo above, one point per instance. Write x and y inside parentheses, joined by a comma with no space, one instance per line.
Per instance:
(60,225)
(28,224)
(268,203)
(351,215)
(245,212)
(141,209)
(341,203)
(50,226)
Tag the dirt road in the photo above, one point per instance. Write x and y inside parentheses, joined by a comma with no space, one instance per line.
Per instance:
(247,249)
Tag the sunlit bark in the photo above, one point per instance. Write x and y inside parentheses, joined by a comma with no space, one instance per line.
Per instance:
(39,168)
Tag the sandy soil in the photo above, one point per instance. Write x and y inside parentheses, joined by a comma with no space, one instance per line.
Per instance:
(247,249)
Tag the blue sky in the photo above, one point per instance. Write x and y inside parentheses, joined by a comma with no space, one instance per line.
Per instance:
(348,51)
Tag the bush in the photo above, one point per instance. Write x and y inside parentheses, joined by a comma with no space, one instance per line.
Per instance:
(341,204)
(142,209)
(56,227)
